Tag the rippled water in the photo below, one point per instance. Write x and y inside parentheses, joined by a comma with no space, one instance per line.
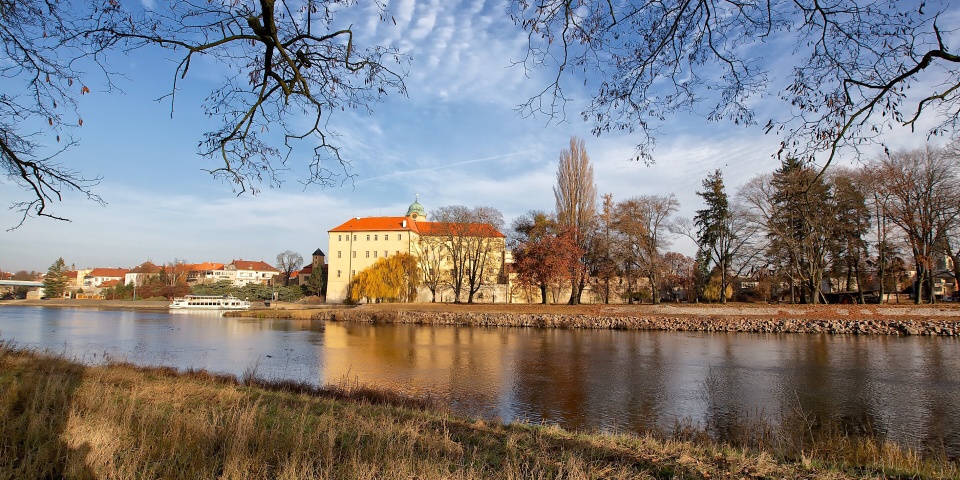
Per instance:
(904,389)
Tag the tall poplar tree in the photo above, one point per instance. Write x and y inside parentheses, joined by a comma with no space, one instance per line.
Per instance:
(576,196)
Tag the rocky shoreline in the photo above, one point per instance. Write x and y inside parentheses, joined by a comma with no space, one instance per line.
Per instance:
(680,323)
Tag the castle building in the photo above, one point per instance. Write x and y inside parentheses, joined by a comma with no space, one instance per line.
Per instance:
(359,242)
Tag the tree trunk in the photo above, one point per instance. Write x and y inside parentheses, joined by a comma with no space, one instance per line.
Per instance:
(543,293)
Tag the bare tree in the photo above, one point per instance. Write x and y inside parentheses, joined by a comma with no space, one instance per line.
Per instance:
(923,188)
(576,197)
(854,63)
(289,64)
(41,79)
(288,262)
(432,252)
(474,246)
(294,67)
(644,224)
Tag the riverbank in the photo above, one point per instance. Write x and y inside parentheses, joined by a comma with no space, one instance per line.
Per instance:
(63,419)
(932,320)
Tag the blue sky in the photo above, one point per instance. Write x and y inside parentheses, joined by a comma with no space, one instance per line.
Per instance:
(456,139)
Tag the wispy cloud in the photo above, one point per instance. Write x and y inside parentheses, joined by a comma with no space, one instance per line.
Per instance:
(438,168)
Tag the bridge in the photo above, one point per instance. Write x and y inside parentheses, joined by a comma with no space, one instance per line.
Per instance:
(19,283)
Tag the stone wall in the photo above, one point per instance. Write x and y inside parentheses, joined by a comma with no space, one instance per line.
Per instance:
(688,323)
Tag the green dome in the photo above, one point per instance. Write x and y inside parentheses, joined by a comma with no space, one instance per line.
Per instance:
(416,210)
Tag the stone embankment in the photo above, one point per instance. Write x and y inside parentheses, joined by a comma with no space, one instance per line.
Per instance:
(681,323)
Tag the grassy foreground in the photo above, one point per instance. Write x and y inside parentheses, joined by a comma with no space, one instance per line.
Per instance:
(60,419)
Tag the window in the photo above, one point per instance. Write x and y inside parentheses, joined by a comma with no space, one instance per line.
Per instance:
(368,238)
(353,273)
(338,273)
(398,236)
(385,253)
(375,237)
(374,254)
(354,254)
(398,252)
(354,238)
(338,253)
(368,254)
(338,238)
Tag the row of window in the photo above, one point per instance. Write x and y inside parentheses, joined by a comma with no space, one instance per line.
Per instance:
(386,236)
(385,254)
(351,274)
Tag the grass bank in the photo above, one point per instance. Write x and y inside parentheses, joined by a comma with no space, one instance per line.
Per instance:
(60,419)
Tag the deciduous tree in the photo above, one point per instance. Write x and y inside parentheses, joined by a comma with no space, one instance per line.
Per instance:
(473,244)
(295,66)
(389,279)
(288,262)
(543,254)
(923,188)
(576,198)
(289,65)
(855,67)
(643,223)
(40,79)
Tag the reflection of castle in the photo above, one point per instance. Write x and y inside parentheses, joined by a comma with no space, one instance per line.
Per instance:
(361,241)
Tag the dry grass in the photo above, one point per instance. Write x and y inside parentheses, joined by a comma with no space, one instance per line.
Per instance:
(59,419)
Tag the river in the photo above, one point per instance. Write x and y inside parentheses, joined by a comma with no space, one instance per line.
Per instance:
(905,389)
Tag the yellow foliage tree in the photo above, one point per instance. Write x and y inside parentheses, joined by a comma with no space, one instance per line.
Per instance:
(711,292)
(391,279)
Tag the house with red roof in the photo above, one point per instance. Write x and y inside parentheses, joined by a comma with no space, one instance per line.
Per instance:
(206,272)
(243,272)
(97,276)
(141,273)
(359,242)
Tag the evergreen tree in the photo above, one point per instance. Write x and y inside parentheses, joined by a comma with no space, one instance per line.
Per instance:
(55,281)
(316,283)
(714,233)
(802,226)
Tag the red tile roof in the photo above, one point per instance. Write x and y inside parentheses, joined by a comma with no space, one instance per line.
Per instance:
(369,224)
(109,283)
(108,272)
(145,267)
(374,224)
(469,229)
(249,265)
(204,267)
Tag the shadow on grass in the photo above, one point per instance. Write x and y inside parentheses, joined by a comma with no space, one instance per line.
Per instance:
(36,398)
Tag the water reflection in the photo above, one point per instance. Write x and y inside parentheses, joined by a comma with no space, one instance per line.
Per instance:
(902,389)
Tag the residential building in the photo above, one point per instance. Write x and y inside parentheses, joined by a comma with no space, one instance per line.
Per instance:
(97,276)
(243,272)
(141,273)
(203,273)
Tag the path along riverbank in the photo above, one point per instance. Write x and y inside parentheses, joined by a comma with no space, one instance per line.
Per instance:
(931,320)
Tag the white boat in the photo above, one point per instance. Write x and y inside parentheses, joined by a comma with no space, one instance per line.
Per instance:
(210,302)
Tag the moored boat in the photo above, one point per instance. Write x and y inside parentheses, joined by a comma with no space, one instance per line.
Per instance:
(210,302)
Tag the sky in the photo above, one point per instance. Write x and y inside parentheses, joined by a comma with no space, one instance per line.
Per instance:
(455,139)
